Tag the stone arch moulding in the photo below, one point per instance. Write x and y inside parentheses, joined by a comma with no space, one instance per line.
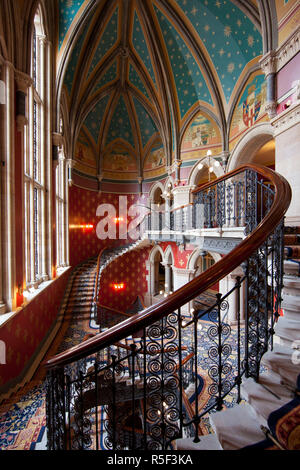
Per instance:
(153,252)
(150,264)
(195,171)
(167,254)
(153,189)
(169,180)
(250,143)
(191,264)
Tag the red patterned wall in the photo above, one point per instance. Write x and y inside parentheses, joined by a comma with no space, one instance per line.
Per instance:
(129,269)
(83,204)
(25,331)
(180,257)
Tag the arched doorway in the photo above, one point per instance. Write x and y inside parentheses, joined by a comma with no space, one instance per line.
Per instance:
(256,146)
(156,276)
(156,200)
(203,262)
(169,275)
(159,274)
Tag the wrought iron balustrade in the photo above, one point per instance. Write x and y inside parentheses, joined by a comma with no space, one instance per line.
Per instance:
(138,385)
(239,201)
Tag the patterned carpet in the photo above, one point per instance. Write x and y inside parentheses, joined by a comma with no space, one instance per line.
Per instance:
(22,417)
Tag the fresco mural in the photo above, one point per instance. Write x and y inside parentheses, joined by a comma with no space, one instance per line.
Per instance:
(84,156)
(155,162)
(202,133)
(119,159)
(250,108)
(288,17)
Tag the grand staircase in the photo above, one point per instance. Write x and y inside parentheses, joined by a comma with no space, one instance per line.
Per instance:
(247,423)
(145,360)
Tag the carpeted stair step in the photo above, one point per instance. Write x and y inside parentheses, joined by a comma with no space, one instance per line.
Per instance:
(291,230)
(291,305)
(292,268)
(292,239)
(280,362)
(265,396)
(236,427)
(292,252)
(288,331)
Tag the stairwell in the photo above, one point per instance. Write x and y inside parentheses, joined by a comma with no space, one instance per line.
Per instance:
(242,425)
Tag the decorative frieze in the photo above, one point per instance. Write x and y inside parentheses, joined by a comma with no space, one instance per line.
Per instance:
(273,61)
(23,81)
(220,245)
(287,119)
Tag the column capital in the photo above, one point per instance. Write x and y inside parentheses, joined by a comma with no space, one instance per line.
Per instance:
(275,60)
(268,63)
(23,81)
(57,139)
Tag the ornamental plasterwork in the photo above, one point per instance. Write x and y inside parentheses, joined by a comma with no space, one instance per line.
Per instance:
(273,61)
(287,119)
(23,81)
(183,272)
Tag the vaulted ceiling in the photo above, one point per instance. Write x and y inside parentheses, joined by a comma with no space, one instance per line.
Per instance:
(132,73)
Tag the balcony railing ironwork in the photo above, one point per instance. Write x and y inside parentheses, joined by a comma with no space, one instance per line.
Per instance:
(103,395)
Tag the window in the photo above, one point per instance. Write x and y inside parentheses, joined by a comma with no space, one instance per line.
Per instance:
(61,231)
(35,165)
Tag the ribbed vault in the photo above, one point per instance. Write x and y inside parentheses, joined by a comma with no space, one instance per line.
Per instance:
(133,73)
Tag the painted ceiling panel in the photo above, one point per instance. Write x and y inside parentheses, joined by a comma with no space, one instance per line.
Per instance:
(140,46)
(136,80)
(67,12)
(69,77)
(95,117)
(107,77)
(190,83)
(147,126)
(229,36)
(164,56)
(107,41)
(120,127)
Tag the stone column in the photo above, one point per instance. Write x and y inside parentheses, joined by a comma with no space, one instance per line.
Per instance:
(49,146)
(268,65)
(44,156)
(182,277)
(2,110)
(168,277)
(8,193)
(225,285)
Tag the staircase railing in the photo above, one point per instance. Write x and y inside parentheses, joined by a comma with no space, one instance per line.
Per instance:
(136,399)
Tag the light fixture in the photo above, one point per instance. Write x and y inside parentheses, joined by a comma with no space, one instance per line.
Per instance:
(200,166)
(118,287)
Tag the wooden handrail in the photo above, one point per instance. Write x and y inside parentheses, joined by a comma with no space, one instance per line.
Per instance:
(119,312)
(199,284)
(97,273)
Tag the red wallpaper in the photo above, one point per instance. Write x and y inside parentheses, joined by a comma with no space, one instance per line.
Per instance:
(180,257)
(129,269)
(83,204)
(23,333)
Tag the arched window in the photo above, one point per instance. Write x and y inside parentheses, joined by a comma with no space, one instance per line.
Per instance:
(61,213)
(36,161)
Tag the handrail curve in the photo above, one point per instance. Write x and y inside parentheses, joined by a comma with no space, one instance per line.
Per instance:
(200,283)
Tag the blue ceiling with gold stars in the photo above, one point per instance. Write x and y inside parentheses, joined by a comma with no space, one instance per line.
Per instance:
(156,62)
